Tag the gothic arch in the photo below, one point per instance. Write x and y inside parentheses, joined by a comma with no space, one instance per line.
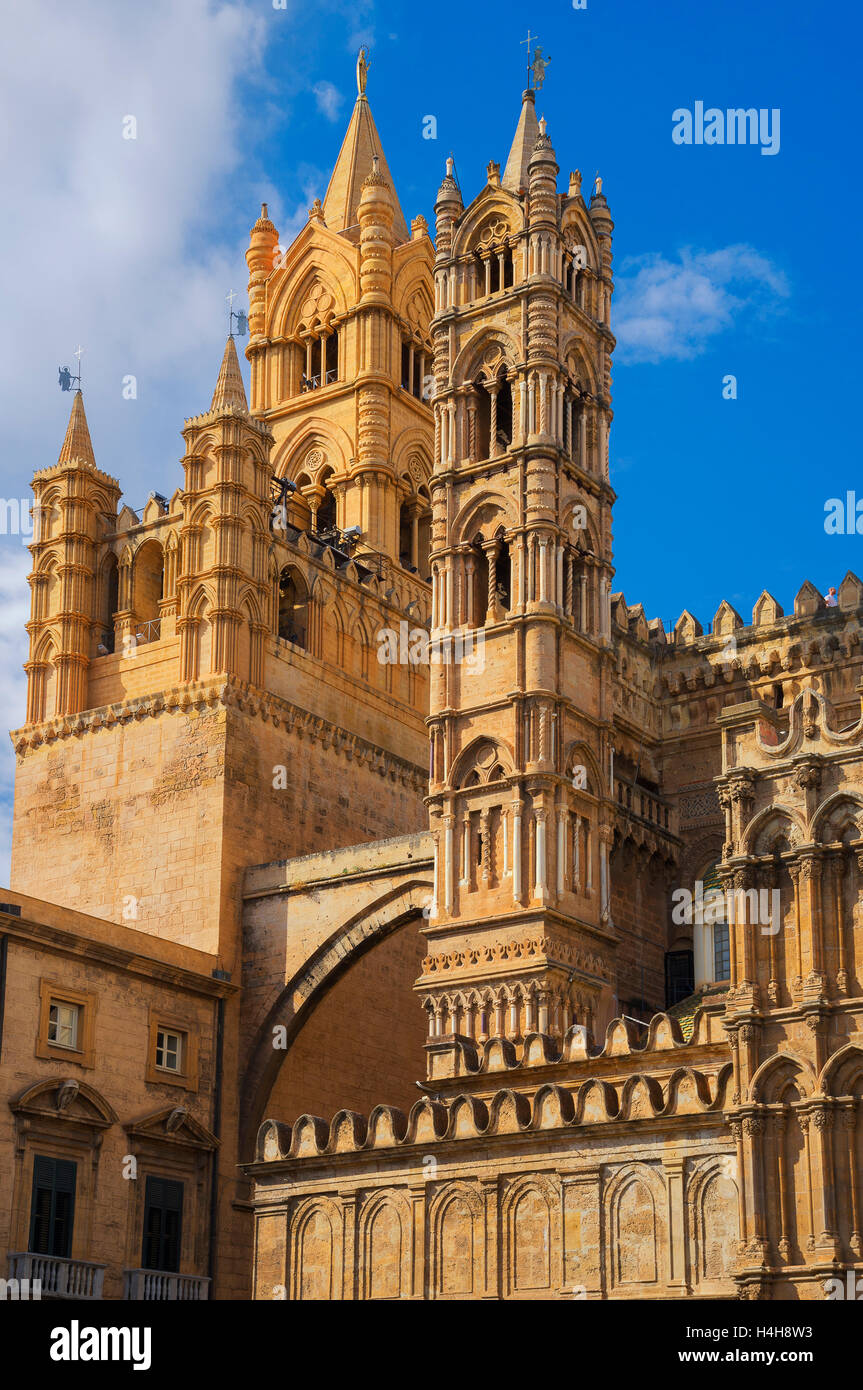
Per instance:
(842,1071)
(713,1219)
(485,512)
(200,601)
(315,433)
(492,204)
(298,282)
(829,813)
(531,1229)
(489,345)
(578,754)
(573,354)
(577,229)
(316,1250)
(473,757)
(309,985)
(771,1079)
(412,285)
(385,1246)
(456,1221)
(782,819)
(633,1201)
(409,444)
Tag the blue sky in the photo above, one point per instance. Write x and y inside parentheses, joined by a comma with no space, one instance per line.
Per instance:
(727,261)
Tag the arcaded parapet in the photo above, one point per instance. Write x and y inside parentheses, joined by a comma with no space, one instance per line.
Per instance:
(502,1202)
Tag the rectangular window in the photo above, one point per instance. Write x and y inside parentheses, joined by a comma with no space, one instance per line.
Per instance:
(163,1218)
(52,1207)
(169,1050)
(63,1024)
(679,976)
(721,952)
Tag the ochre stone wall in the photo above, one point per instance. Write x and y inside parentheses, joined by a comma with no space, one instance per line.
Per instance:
(364,1043)
(121,1105)
(162,809)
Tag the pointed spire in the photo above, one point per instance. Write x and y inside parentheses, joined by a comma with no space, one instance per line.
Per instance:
(526,134)
(230,393)
(77,446)
(359,147)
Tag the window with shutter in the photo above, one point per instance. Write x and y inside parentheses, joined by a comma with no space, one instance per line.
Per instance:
(52,1208)
(163,1213)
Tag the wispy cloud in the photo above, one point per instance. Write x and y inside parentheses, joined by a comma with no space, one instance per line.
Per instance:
(113,242)
(14,613)
(667,309)
(329,99)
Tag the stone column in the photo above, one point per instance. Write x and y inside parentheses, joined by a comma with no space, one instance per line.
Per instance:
(562,817)
(517,809)
(449,853)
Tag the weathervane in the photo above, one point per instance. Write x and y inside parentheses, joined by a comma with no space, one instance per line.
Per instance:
(238,314)
(67,377)
(535,69)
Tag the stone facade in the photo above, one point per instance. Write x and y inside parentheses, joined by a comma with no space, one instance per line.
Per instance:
(576,1139)
(348,763)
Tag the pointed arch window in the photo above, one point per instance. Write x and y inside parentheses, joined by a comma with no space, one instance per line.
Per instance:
(293,615)
(416,359)
(320,358)
(491,423)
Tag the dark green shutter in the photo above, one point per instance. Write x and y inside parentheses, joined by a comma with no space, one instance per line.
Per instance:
(163,1217)
(52,1207)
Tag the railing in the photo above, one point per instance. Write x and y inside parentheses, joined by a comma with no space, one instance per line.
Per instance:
(312,383)
(58,1278)
(158,1286)
(644,804)
(148,632)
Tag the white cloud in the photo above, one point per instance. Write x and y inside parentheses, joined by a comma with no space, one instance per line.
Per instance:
(14,613)
(671,309)
(329,99)
(127,246)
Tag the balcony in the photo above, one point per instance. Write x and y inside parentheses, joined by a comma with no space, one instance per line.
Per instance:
(58,1278)
(158,1286)
(633,799)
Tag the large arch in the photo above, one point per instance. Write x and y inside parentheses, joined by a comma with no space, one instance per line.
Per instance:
(309,986)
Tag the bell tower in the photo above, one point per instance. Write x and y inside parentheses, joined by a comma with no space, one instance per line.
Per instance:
(520,936)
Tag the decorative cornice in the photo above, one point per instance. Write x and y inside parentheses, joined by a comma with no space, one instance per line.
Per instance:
(240,695)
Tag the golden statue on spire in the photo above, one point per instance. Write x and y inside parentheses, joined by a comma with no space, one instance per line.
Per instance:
(362,70)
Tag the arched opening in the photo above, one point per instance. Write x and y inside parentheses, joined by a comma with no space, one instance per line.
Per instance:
(319,355)
(711,936)
(406,511)
(503,574)
(293,607)
(109,588)
(299,510)
(148,591)
(504,416)
(492,424)
(331,358)
(479,591)
(415,532)
(482,421)
(424,535)
(326,514)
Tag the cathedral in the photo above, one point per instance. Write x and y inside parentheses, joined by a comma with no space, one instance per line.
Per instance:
(396,912)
